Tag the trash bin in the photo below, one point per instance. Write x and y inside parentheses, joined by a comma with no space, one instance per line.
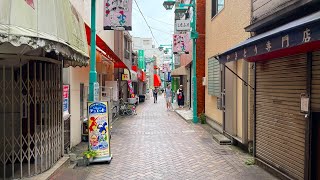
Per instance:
(142,98)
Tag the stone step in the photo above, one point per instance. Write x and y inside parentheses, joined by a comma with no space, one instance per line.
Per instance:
(221,139)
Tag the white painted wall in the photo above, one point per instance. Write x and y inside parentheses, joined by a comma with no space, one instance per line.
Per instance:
(76,76)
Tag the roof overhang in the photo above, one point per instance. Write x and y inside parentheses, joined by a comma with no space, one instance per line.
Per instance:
(48,28)
(102,46)
(298,36)
(181,71)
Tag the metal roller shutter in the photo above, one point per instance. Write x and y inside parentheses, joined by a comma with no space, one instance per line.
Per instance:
(280,127)
(315,97)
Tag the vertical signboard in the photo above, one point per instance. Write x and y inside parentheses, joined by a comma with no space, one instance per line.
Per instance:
(181,43)
(96,91)
(99,131)
(141,60)
(117,15)
(66,89)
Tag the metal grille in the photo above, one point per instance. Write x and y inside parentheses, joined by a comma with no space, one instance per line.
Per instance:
(30,118)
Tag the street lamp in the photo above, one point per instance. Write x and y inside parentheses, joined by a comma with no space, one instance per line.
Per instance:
(169,4)
(180,11)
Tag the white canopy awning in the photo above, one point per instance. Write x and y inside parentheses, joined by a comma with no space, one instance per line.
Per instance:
(50,26)
(181,71)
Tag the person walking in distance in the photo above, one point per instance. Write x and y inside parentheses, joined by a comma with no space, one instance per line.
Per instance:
(168,95)
(155,95)
(180,97)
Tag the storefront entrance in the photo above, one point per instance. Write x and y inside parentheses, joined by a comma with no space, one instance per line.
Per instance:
(31,117)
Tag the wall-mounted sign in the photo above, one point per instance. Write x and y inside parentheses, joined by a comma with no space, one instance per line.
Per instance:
(125,77)
(66,89)
(183,25)
(181,43)
(117,15)
(304,101)
(96,91)
(253,48)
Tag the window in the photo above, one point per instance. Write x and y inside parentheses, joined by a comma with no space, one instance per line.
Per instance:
(214,77)
(217,6)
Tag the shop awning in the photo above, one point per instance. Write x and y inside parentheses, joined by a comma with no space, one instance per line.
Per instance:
(156,80)
(142,76)
(181,71)
(106,49)
(298,36)
(35,28)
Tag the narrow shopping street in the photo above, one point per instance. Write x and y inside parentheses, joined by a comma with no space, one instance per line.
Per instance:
(157,144)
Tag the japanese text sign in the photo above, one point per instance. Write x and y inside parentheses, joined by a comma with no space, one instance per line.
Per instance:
(181,43)
(183,25)
(117,15)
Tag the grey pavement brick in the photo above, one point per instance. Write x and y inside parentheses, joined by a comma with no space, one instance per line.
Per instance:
(157,144)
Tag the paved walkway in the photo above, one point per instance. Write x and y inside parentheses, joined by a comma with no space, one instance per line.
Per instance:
(159,144)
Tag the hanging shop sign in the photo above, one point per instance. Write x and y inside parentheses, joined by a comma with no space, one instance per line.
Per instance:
(183,25)
(130,87)
(99,130)
(181,43)
(141,60)
(117,15)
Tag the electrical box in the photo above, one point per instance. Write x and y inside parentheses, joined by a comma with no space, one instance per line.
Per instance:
(204,81)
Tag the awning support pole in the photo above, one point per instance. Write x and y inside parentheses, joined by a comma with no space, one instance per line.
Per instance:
(245,83)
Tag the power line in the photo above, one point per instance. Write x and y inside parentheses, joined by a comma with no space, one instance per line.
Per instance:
(156,19)
(167,32)
(146,22)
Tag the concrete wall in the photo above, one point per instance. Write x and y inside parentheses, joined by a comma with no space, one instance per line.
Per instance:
(224,31)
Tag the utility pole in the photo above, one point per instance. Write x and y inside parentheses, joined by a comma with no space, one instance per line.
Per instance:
(93,72)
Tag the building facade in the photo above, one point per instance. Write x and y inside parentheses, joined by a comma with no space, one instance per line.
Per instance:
(285,51)
(33,52)
(226,94)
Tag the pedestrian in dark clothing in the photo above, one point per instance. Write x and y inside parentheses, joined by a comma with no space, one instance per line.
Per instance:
(155,95)
(180,95)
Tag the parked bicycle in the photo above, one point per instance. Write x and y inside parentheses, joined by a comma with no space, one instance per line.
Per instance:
(123,109)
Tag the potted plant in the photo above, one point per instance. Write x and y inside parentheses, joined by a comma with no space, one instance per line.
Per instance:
(89,155)
(202,118)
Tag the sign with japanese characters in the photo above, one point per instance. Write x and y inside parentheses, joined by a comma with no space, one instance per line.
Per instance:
(66,99)
(183,25)
(117,15)
(99,132)
(295,37)
(181,43)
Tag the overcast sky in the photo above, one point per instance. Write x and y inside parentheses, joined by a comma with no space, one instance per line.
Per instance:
(159,19)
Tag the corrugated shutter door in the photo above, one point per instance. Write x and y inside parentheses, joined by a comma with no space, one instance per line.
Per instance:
(315,97)
(280,127)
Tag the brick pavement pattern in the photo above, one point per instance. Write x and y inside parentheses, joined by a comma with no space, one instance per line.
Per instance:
(158,144)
